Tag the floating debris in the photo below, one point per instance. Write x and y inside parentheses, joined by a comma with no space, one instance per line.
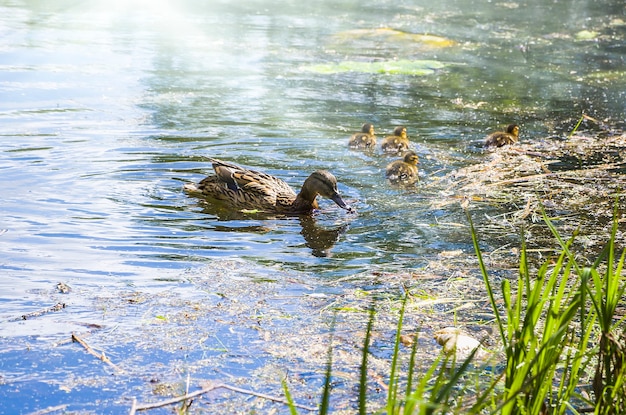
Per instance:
(460,344)
(388,35)
(576,181)
(63,288)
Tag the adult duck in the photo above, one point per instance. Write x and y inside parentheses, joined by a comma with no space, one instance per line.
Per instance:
(242,188)
(403,171)
(502,138)
(364,139)
(396,143)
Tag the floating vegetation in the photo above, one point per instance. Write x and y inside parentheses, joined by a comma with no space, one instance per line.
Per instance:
(587,35)
(388,35)
(385,43)
(574,180)
(605,76)
(402,67)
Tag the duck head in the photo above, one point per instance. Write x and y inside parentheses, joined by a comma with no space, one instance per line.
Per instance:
(323,183)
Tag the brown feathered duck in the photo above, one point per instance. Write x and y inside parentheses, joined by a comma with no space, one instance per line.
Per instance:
(364,139)
(502,138)
(396,143)
(403,171)
(241,188)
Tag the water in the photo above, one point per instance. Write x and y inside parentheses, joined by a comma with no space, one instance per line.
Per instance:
(110,107)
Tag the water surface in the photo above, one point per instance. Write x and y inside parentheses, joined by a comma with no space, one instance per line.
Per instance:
(110,107)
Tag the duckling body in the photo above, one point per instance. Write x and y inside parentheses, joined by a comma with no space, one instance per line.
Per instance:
(502,138)
(403,171)
(396,143)
(364,139)
(242,188)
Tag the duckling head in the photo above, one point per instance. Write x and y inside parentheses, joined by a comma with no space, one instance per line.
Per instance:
(411,158)
(513,129)
(367,128)
(400,131)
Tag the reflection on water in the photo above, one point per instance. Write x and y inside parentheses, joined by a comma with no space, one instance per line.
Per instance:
(111,106)
(115,106)
(319,239)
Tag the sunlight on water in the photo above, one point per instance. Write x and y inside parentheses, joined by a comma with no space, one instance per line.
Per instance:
(117,104)
(111,107)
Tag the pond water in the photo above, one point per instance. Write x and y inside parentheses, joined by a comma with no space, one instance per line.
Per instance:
(110,107)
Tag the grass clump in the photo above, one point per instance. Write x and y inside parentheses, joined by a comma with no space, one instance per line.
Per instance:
(562,348)
(544,350)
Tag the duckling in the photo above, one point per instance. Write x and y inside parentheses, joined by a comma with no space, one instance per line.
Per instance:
(502,138)
(403,171)
(241,188)
(365,139)
(396,143)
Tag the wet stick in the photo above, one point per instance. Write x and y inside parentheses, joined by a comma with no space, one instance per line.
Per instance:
(49,410)
(210,388)
(92,352)
(56,307)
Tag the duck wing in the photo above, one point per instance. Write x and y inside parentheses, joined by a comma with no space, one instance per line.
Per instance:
(256,185)
(499,139)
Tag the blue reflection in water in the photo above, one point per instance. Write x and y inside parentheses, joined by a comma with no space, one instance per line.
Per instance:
(110,107)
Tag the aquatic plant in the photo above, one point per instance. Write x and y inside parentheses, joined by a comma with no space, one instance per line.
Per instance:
(401,67)
(537,335)
(546,330)
(558,331)
(605,293)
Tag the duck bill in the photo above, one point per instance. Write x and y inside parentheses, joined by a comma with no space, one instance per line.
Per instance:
(339,201)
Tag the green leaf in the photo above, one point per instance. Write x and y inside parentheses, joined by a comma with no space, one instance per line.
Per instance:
(399,67)
(587,35)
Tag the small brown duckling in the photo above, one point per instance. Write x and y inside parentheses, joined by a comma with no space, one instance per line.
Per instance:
(403,171)
(241,188)
(365,139)
(502,138)
(396,143)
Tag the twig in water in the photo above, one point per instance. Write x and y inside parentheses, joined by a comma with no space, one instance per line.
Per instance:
(209,389)
(49,410)
(92,352)
(133,408)
(56,307)
(602,167)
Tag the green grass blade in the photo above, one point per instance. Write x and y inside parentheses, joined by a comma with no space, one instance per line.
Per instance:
(324,407)
(392,393)
(411,374)
(485,275)
(577,125)
(363,377)
(290,403)
(443,394)
(408,407)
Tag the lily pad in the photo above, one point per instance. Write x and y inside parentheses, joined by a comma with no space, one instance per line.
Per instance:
(605,76)
(394,36)
(404,67)
(587,35)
